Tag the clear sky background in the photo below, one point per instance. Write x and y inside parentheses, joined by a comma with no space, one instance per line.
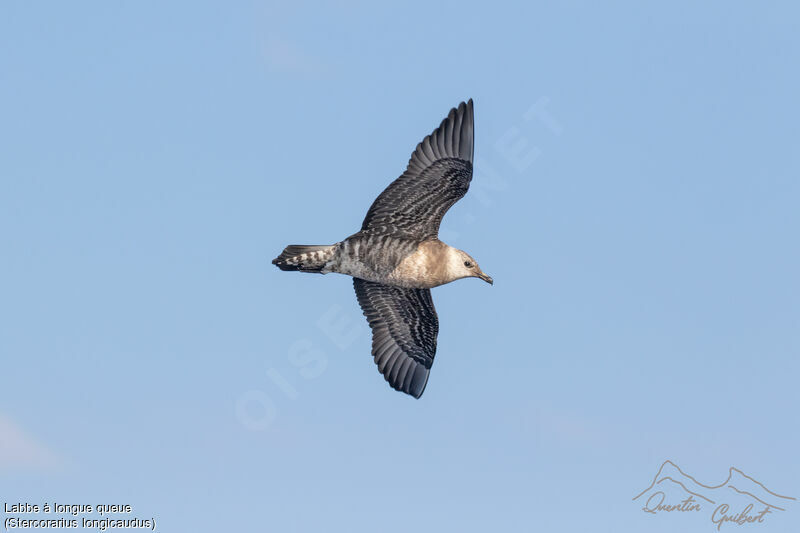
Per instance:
(635,198)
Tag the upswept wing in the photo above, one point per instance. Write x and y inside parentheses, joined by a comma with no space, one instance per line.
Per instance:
(438,175)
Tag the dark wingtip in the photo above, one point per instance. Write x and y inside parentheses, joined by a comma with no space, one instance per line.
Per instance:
(419,381)
(467,129)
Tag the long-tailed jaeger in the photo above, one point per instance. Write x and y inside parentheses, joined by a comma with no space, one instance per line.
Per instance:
(397,256)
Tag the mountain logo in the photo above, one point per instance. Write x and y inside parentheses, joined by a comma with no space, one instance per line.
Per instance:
(739,500)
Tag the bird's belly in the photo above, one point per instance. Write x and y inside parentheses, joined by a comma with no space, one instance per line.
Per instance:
(410,282)
(355,268)
(414,272)
(405,275)
(388,261)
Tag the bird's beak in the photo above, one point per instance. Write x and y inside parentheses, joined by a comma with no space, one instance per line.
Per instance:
(487,279)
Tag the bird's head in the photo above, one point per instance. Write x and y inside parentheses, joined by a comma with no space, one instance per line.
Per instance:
(462,265)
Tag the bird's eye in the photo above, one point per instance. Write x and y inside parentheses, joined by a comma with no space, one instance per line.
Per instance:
(468,264)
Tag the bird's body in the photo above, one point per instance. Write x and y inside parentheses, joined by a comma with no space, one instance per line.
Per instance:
(397,257)
(397,262)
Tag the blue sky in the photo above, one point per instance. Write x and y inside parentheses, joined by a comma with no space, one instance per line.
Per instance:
(635,199)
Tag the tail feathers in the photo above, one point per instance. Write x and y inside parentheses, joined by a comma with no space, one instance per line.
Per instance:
(305,258)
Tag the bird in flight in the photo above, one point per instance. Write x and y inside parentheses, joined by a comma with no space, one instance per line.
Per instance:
(397,256)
